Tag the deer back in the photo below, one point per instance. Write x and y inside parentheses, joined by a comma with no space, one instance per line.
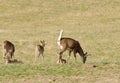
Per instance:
(8,46)
(69,43)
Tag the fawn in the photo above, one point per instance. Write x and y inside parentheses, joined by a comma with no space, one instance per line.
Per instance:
(39,50)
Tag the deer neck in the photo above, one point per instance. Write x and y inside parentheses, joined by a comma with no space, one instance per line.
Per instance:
(80,51)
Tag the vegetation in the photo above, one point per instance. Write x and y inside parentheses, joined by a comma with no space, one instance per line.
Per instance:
(94,23)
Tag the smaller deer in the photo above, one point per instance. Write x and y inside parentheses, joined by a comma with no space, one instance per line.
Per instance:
(39,50)
(61,60)
(8,50)
(15,61)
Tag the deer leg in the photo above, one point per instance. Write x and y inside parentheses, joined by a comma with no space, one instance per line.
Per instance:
(37,56)
(12,55)
(75,56)
(69,55)
(42,56)
(60,54)
(4,55)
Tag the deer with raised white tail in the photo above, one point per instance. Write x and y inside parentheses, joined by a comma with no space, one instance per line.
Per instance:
(8,50)
(39,50)
(72,46)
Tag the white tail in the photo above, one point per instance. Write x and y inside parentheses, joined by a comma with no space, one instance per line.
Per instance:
(58,42)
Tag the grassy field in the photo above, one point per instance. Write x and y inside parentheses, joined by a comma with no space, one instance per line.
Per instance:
(94,23)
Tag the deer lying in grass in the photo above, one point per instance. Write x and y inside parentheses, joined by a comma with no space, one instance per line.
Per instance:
(61,61)
(8,50)
(15,61)
(72,46)
(39,50)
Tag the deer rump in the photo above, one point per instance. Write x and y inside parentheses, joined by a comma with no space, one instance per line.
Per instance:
(8,49)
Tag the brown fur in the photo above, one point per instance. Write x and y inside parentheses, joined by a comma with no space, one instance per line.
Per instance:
(72,46)
(8,50)
(39,50)
(15,61)
(62,61)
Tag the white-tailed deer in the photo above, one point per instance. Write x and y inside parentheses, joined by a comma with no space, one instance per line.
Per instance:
(8,50)
(72,46)
(39,50)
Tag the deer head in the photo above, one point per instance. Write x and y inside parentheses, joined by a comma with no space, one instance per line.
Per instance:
(42,43)
(84,57)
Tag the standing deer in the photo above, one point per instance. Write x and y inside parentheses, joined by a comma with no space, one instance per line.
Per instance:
(39,50)
(8,50)
(72,46)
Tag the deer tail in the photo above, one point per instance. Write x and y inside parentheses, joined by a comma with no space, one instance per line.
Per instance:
(58,41)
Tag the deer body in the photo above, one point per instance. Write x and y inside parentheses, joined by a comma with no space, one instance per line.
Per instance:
(72,46)
(39,50)
(8,50)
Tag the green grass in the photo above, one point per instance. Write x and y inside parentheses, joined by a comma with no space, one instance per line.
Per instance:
(94,23)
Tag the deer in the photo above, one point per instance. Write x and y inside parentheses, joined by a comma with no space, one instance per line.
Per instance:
(62,61)
(72,45)
(39,50)
(15,61)
(8,50)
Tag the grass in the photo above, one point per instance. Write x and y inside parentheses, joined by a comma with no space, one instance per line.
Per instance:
(94,23)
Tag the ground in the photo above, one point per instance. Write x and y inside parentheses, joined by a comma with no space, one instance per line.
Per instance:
(94,23)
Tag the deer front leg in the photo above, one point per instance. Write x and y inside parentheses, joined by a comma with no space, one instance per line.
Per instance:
(42,56)
(69,55)
(4,54)
(75,56)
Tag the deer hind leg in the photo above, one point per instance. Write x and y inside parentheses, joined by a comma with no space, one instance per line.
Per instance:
(60,54)
(42,57)
(12,55)
(37,54)
(69,55)
(4,55)
(7,58)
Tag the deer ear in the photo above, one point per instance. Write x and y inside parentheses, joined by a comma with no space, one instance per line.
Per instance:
(40,41)
(85,53)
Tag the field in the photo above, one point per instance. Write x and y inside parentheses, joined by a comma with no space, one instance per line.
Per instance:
(94,23)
